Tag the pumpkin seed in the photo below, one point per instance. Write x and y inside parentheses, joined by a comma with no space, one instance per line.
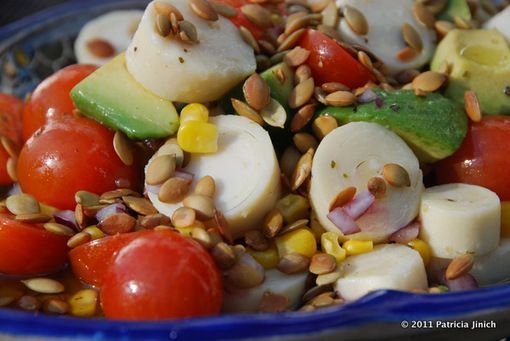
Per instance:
(223,255)
(274,114)
(328,278)
(406,54)
(443,27)
(160,169)
(206,186)
(296,21)
(429,81)
(411,36)
(201,236)
(436,6)
(266,47)
(117,223)
(356,20)
(183,217)
(224,10)
(330,15)
(44,285)
(423,15)
(302,117)
(245,110)
(303,72)
(396,175)
(293,263)
(139,205)
(304,141)
(459,266)
(188,32)
(153,220)
(56,306)
(79,239)
(174,23)
(222,225)
(462,23)
(330,87)
(342,198)
(172,147)
(256,240)
(33,218)
(28,302)
(291,40)
(203,205)
(101,48)
(166,9)
(246,273)
(472,106)
(364,59)
(316,291)
(86,198)
(249,38)
(322,263)
(273,303)
(11,167)
(203,9)
(59,229)
(173,190)
(273,222)
(376,186)
(302,170)
(256,92)
(340,98)
(10,147)
(123,148)
(320,95)
(301,93)
(22,204)
(278,57)
(296,56)
(317,5)
(163,25)
(323,300)
(94,232)
(295,225)
(330,32)
(323,125)
(118,193)
(257,15)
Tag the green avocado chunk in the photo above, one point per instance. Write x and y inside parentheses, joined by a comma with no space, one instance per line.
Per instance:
(480,62)
(433,126)
(456,8)
(280,79)
(113,97)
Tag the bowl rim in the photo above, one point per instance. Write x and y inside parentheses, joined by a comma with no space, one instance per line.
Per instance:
(387,306)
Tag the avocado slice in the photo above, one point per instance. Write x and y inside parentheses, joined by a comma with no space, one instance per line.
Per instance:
(280,79)
(433,126)
(480,61)
(113,97)
(456,8)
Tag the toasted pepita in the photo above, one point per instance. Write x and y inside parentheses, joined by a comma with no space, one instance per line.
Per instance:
(472,106)
(396,175)
(356,20)
(22,204)
(256,92)
(411,36)
(257,14)
(203,9)
(274,114)
(302,170)
(302,117)
(245,110)
(301,93)
(160,169)
(44,285)
(305,141)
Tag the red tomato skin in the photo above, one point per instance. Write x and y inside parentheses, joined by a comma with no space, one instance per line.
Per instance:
(10,126)
(90,261)
(51,98)
(68,155)
(329,61)
(28,249)
(482,159)
(161,275)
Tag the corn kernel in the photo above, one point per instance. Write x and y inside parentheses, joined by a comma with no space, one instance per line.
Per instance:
(293,207)
(505,219)
(267,258)
(356,247)
(299,241)
(198,137)
(331,246)
(94,232)
(194,112)
(84,303)
(187,230)
(422,248)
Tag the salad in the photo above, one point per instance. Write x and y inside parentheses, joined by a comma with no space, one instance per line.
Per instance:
(232,156)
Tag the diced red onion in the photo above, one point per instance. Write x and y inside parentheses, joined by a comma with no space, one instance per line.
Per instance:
(359,205)
(367,96)
(464,282)
(183,174)
(154,189)
(406,233)
(110,210)
(66,218)
(343,221)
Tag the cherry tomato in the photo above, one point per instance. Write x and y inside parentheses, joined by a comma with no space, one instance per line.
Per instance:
(161,275)
(10,126)
(28,249)
(91,260)
(330,62)
(51,98)
(482,159)
(68,155)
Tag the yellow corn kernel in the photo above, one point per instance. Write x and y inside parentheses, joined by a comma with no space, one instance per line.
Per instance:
(198,137)
(505,219)
(84,303)
(194,112)
(298,241)
(293,207)
(268,258)
(356,247)
(422,248)
(94,232)
(331,246)
(187,230)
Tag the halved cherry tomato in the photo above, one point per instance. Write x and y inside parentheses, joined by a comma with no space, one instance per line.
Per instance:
(10,126)
(90,261)
(28,249)
(330,62)
(71,154)
(482,159)
(51,98)
(159,275)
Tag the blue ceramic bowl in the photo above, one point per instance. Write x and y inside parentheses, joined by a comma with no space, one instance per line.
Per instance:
(35,47)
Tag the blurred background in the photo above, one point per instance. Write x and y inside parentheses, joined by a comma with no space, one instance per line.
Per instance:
(11,10)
